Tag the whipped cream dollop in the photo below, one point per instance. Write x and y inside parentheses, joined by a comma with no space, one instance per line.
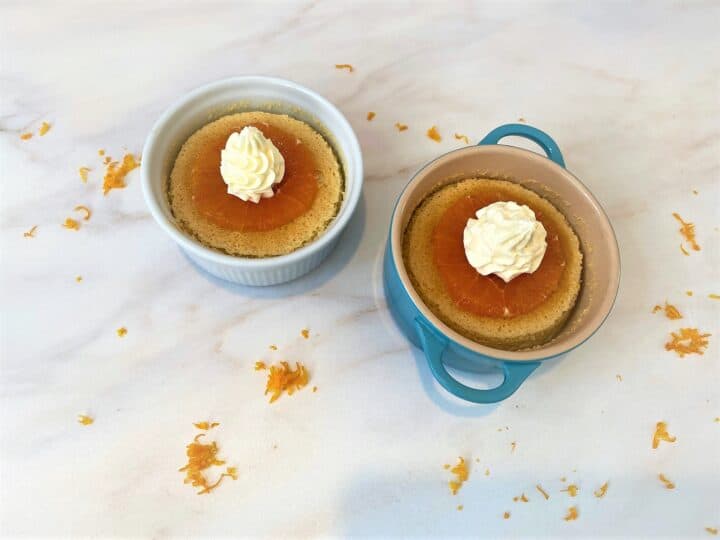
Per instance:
(250,165)
(506,240)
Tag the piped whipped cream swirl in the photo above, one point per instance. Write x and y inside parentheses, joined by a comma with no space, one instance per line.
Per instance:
(505,239)
(250,165)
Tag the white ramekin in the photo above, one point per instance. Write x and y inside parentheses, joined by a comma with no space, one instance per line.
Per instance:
(238,94)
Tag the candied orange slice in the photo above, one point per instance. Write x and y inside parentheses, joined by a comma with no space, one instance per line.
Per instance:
(294,195)
(490,296)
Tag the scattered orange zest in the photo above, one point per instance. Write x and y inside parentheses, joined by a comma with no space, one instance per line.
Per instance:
(107,160)
(31,232)
(687,341)
(78,278)
(273,347)
(121,332)
(282,378)
(684,251)
(712,296)
(348,67)
(664,479)
(85,420)
(522,498)
(314,389)
(83,172)
(711,530)
(506,515)
(200,458)
(85,209)
(572,490)
(695,191)
(521,119)
(487,472)
(600,492)
(305,333)
(101,152)
(513,445)
(26,136)
(687,230)
(446,466)
(370,116)
(661,434)
(206,425)
(460,470)
(572,514)
(460,507)
(115,175)
(44,128)
(434,134)
(689,293)
(260,366)
(400,127)
(671,312)
(463,138)
(70,223)
(541,490)
(618,377)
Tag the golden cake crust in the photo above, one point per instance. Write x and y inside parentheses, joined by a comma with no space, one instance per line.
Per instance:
(528,330)
(274,242)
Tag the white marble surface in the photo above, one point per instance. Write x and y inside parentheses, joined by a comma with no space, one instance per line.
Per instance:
(629,90)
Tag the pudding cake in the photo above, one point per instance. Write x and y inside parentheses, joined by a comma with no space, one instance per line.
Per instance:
(255,184)
(494,261)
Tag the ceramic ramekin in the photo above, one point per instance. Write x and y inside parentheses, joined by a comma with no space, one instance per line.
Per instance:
(546,176)
(238,94)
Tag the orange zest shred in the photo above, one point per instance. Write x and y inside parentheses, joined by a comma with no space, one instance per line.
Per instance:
(463,138)
(101,152)
(259,366)
(601,491)
(85,420)
(26,136)
(70,223)
(542,491)
(684,251)
(305,333)
(446,466)
(400,127)
(282,378)
(205,425)
(115,175)
(44,128)
(618,377)
(85,209)
(695,191)
(513,445)
(506,515)
(487,472)
(370,116)
(314,389)
(687,230)
(521,119)
(107,160)
(671,312)
(689,293)
(521,498)
(572,514)
(661,434)
(273,347)
(687,341)
(434,134)
(657,308)
(711,530)
(83,172)
(572,490)
(460,507)
(200,458)
(712,296)
(121,332)
(460,470)
(664,479)
(31,232)
(347,67)
(78,278)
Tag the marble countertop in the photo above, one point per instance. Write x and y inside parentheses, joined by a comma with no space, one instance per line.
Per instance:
(629,91)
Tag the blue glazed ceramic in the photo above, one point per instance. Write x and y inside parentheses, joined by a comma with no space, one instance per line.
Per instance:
(548,177)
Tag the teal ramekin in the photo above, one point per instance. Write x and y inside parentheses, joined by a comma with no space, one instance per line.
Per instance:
(548,177)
